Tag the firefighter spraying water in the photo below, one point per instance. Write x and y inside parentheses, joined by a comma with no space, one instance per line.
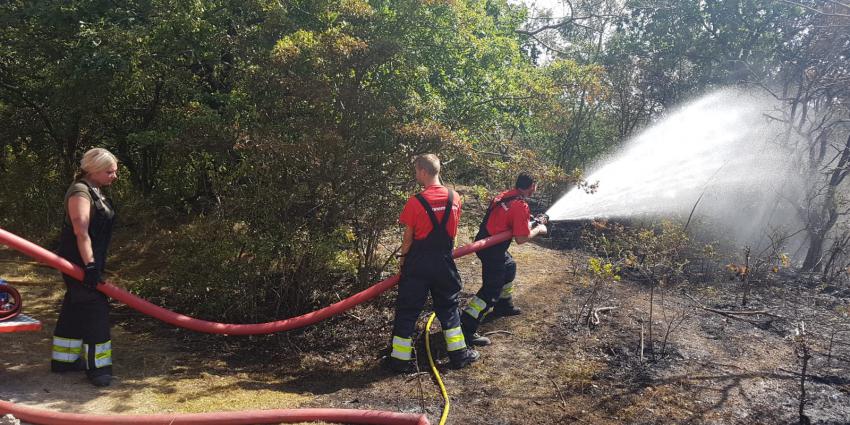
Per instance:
(508,212)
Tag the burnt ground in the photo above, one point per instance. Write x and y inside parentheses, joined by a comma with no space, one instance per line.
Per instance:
(543,368)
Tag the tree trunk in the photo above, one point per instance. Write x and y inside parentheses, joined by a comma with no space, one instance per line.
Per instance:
(69,158)
(813,262)
(829,214)
(651,302)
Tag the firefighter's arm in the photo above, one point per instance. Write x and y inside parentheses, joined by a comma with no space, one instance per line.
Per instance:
(79,211)
(521,217)
(406,242)
(537,230)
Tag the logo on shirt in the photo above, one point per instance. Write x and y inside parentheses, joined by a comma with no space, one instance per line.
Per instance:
(435,209)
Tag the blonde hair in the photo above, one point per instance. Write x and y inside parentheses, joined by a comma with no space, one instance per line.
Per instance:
(96,159)
(428,162)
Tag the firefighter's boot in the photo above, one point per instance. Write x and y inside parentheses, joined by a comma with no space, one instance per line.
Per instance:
(102,380)
(401,366)
(476,339)
(462,358)
(505,307)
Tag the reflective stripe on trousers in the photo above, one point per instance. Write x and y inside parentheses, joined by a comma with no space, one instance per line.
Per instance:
(66,350)
(102,354)
(454,339)
(475,307)
(507,291)
(402,348)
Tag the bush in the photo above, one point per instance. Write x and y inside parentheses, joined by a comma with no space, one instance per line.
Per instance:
(225,271)
(654,252)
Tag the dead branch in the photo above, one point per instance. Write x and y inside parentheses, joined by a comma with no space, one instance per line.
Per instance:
(821,379)
(595,320)
(733,314)
(831,355)
(560,395)
(415,375)
(801,350)
(746,276)
(497,332)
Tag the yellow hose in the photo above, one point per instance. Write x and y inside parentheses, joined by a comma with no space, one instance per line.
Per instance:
(434,369)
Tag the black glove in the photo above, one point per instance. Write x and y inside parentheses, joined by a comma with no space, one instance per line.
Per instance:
(91,278)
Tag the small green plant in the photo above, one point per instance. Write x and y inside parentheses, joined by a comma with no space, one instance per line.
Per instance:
(601,272)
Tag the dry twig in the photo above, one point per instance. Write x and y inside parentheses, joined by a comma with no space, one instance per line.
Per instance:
(497,332)
(733,314)
(560,395)
(595,320)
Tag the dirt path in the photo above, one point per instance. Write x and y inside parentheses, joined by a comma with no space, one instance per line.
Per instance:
(541,369)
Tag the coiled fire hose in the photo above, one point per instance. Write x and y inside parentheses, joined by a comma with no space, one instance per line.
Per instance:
(10,301)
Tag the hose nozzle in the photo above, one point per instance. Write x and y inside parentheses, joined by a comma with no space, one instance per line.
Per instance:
(539,219)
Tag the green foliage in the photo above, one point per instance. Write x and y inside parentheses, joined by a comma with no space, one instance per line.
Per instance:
(603,270)
(293,121)
(657,253)
(28,203)
(667,54)
(230,272)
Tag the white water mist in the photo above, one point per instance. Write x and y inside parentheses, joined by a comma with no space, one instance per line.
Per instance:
(719,152)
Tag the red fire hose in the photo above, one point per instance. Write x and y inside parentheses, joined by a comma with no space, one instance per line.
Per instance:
(351,416)
(44,256)
(346,416)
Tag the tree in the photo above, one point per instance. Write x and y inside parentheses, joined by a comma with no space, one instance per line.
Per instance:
(814,81)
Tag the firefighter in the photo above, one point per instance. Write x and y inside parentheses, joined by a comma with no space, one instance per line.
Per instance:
(82,340)
(430,218)
(507,211)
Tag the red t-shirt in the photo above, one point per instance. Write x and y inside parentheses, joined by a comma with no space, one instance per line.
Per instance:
(514,216)
(414,214)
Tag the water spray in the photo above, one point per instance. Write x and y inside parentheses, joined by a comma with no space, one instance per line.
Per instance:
(720,152)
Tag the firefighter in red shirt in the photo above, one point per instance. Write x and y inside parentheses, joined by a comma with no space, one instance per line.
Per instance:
(507,211)
(431,218)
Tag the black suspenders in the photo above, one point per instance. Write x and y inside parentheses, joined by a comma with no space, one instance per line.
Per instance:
(504,202)
(430,211)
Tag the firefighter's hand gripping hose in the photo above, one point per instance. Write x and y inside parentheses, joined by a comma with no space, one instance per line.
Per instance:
(445,395)
(44,256)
